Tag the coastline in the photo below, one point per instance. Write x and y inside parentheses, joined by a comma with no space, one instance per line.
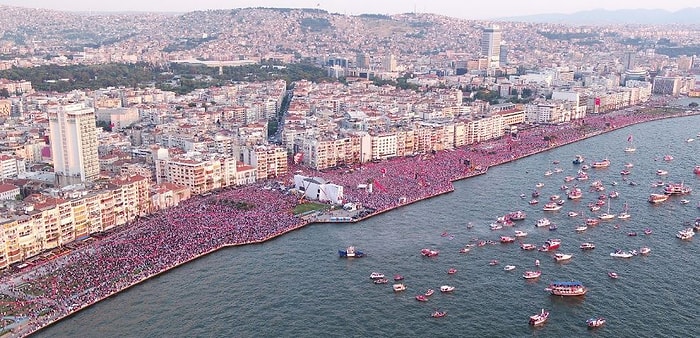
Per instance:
(29,326)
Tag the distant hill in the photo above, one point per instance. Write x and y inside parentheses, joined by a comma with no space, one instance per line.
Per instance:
(623,16)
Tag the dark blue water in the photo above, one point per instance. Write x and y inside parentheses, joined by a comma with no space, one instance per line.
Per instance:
(296,286)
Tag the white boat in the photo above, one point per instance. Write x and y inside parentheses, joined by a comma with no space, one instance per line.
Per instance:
(581,228)
(539,318)
(528,246)
(447,288)
(630,149)
(509,267)
(548,173)
(573,213)
(685,234)
(543,222)
(690,140)
(560,257)
(496,226)
(587,246)
(551,206)
(519,233)
(532,274)
(644,250)
(539,185)
(607,215)
(685,201)
(595,322)
(621,254)
(399,287)
(661,172)
(376,275)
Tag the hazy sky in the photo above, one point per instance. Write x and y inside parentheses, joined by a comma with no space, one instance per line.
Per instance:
(469,9)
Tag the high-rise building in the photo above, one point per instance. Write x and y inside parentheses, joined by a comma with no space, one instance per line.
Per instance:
(362,60)
(491,45)
(389,63)
(628,60)
(73,138)
(503,54)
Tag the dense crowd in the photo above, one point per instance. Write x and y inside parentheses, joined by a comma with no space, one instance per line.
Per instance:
(256,213)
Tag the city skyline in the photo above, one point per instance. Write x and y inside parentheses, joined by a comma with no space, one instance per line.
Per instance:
(507,8)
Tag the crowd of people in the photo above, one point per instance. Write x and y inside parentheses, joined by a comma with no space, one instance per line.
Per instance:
(255,213)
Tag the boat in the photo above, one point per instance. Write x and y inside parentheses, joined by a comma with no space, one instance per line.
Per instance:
(558,170)
(573,213)
(592,221)
(625,172)
(532,274)
(429,292)
(551,245)
(398,277)
(551,206)
(581,228)
(697,224)
(625,212)
(696,170)
(579,159)
(543,222)
(690,140)
(533,201)
(438,314)
(560,257)
(493,262)
(569,178)
(509,267)
(595,322)
(553,227)
(613,275)
(399,287)
(447,288)
(629,165)
(520,233)
(601,164)
(528,246)
(621,254)
(516,216)
(668,158)
(614,194)
(567,289)
(421,298)
(581,176)
(351,252)
(657,198)
(574,194)
(507,239)
(381,281)
(548,173)
(685,201)
(537,262)
(630,146)
(677,189)
(661,172)
(376,275)
(648,231)
(496,226)
(465,250)
(644,250)
(585,167)
(632,233)
(451,271)
(429,252)
(535,193)
(539,318)
(587,246)
(539,185)
(685,234)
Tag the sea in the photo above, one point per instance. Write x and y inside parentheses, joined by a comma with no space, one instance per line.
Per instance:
(297,285)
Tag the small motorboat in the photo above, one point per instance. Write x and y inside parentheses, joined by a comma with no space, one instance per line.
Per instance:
(398,277)
(452,271)
(537,262)
(520,233)
(399,287)
(464,250)
(447,288)
(381,281)
(581,228)
(509,267)
(421,298)
(439,314)
(532,274)
(376,275)
(539,318)
(685,201)
(644,250)
(493,262)
(632,233)
(429,292)
(595,322)
(648,231)
(613,275)
(573,213)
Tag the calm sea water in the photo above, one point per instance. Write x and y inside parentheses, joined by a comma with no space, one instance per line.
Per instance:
(296,286)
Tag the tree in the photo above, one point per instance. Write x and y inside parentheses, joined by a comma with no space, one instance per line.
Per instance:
(4,93)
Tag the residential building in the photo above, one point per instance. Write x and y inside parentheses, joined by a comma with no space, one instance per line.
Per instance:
(73,138)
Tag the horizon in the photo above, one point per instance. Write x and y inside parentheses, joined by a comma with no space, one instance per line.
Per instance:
(477,11)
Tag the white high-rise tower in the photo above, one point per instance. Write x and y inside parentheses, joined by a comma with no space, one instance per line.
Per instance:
(73,138)
(491,45)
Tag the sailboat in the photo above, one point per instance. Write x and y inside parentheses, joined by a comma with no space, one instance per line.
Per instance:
(625,212)
(606,215)
(630,147)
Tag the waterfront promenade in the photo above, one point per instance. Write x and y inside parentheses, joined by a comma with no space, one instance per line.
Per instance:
(253,214)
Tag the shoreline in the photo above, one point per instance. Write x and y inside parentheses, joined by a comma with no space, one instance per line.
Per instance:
(29,327)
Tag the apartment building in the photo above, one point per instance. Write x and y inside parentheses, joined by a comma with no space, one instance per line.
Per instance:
(73,138)
(269,161)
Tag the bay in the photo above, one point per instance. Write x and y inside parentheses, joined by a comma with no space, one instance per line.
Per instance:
(297,286)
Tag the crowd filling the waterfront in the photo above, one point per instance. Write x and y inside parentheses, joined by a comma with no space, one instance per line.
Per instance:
(96,269)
